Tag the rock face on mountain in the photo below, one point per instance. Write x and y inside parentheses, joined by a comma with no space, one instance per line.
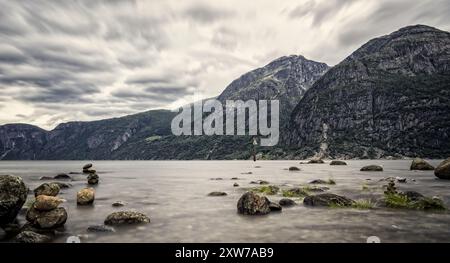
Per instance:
(390,97)
(285,79)
(21,141)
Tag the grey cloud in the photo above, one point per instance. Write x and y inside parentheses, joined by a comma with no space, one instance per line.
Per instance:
(206,14)
(320,10)
(68,94)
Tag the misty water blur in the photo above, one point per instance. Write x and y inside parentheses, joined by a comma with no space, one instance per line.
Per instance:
(174,195)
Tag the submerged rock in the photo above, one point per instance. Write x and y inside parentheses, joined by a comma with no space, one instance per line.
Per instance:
(43,178)
(92,179)
(420,164)
(338,163)
(261,182)
(118,204)
(287,202)
(235,185)
(400,179)
(217,194)
(46,203)
(47,219)
(274,207)
(294,169)
(327,200)
(253,204)
(49,189)
(316,161)
(126,218)
(13,194)
(63,177)
(413,196)
(62,185)
(31,237)
(100,228)
(372,168)
(443,170)
(86,196)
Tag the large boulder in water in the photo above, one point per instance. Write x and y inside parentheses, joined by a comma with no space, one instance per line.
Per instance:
(327,200)
(253,204)
(443,170)
(47,219)
(49,189)
(13,194)
(420,164)
(126,218)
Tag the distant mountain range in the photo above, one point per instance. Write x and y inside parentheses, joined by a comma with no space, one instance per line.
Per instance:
(391,97)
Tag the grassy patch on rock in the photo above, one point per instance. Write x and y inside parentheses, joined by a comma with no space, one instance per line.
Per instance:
(401,201)
(266,189)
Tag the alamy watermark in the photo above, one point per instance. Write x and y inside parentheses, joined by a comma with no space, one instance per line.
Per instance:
(212,118)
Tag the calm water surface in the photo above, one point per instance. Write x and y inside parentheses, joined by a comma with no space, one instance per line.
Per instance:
(174,195)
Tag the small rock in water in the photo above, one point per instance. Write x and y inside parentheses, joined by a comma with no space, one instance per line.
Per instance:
(13,194)
(253,204)
(247,173)
(118,204)
(274,207)
(235,185)
(47,219)
(75,173)
(50,189)
(257,167)
(216,179)
(126,218)
(420,164)
(287,202)
(89,171)
(31,237)
(234,178)
(47,203)
(318,181)
(294,169)
(92,179)
(100,228)
(217,194)
(63,177)
(400,179)
(372,168)
(327,200)
(443,170)
(87,166)
(86,196)
(338,163)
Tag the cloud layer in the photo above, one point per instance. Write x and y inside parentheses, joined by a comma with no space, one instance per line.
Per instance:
(83,60)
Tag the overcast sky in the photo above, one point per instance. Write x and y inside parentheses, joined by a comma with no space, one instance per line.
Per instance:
(84,60)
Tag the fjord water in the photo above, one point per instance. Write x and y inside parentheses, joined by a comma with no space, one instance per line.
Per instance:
(174,195)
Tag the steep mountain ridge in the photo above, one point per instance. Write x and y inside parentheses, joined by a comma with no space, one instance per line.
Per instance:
(390,97)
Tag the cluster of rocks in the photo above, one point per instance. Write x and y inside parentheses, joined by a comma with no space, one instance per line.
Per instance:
(92,177)
(44,215)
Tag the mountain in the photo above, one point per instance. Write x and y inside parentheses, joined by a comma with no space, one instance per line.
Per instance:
(390,97)
(285,79)
(82,140)
(148,136)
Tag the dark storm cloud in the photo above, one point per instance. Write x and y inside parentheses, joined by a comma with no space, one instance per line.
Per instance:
(64,93)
